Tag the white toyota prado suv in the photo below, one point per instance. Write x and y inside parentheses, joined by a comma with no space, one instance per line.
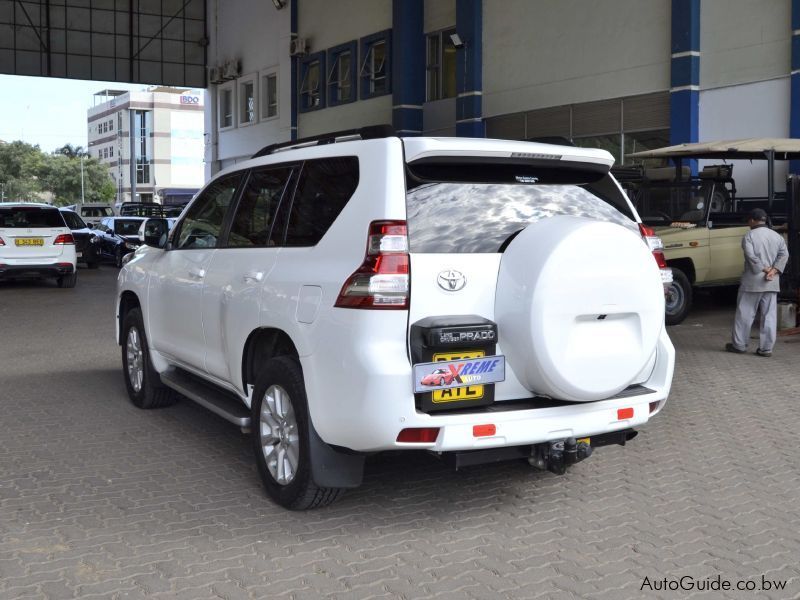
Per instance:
(480,299)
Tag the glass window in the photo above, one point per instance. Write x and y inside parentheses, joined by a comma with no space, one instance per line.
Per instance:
(247,102)
(111,125)
(310,96)
(27,216)
(324,188)
(202,224)
(341,75)
(225,108)
(127,226)
(73,220)
(255,213)
(269,95)
(498,211)
(375,67)
(441,65)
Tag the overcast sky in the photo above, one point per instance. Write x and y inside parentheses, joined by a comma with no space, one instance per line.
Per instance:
(47,111)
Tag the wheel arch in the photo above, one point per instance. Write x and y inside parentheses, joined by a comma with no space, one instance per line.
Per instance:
(686,265)
(263,344)
(128,300)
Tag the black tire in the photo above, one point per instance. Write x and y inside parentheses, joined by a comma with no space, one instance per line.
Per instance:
(679,298)
(441,380)
(300,493)
(151,393)
(68,281)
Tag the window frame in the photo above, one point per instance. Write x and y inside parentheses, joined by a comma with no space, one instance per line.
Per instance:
(240,109)
(174,234)
(440,37)
(367,80)
(229,86)
(264,96)
(332,86)
(305,65)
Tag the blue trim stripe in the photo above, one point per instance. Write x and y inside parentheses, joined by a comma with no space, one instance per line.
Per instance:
(685,25)
(469,69)
(684,100)
(408,66)
(294,83)
(685,71)
(794,116)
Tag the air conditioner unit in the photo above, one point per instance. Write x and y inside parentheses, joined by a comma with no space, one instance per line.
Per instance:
(215,75)
(232,69)
(298,47)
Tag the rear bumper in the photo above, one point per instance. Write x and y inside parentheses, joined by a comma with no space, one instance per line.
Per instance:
(52,270)
(367,413)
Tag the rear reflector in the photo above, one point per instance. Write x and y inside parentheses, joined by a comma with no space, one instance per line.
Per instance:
(483,430)
(65,239)
(624,413)
(654,406)
(418,435)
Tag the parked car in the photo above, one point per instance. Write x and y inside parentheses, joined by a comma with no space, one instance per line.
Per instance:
(305,294)
(85,239)
(438,377)
(36,242)
(117,237)
(92,212)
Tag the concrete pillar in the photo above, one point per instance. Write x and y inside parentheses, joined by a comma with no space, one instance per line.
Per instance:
(685,75)
(469,69)
(408,66)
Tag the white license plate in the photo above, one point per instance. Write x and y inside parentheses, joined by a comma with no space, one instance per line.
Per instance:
(443,375)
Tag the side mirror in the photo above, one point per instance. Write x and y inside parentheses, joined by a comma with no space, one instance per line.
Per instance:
(90,225)
(153,232)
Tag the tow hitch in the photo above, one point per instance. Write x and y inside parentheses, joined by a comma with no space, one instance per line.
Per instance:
(557,455)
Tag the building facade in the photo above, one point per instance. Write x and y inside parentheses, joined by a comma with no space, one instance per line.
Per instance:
(167,143)
(625,75)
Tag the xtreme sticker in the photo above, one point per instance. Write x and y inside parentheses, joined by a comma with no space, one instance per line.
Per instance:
(442,375)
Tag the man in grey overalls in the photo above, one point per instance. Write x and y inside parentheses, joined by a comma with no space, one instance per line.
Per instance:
(765,257)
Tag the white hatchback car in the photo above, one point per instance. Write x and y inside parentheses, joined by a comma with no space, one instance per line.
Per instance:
(35,241)
(480,299)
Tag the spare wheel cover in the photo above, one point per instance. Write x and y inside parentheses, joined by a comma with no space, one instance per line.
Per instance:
(579,307)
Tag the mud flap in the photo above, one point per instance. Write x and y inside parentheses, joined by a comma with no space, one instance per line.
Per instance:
(333,468)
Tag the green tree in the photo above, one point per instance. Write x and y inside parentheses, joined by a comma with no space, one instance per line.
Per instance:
(61,175)
(20,169)
(71,151)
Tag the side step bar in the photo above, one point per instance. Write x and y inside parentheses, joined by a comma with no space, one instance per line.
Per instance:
(218,401)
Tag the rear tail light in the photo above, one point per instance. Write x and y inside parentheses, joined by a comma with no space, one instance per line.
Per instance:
(624,413)
(381,282)
(655,244)
(65,239)
(2,243)
(418,435)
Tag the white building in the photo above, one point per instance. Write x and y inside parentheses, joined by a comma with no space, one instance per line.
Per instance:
(168,142)
(625,75)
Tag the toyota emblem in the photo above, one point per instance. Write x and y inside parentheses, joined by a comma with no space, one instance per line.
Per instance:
(451,280)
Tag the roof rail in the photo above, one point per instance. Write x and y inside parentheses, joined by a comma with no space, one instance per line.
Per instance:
(371,132)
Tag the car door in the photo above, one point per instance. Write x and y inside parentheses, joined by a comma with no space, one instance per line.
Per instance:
(103,230)
(178,276)
(239,271)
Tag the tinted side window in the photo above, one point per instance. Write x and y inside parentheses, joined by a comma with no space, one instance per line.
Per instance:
(202,224)
(324,188)
(255,213)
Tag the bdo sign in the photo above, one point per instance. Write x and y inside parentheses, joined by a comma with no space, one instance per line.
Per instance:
(190,99)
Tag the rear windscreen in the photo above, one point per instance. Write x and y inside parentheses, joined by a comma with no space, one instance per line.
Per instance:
(127,226)
(452,217)
(26,217)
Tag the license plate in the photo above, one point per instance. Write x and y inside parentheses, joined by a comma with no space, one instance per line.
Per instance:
(453,376)
(29,242)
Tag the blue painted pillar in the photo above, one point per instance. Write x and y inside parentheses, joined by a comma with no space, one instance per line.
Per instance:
(408,66)
(293,95)
(684,97)
(469,69)
(794,117)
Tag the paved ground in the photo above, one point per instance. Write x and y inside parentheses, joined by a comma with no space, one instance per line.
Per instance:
(101,500)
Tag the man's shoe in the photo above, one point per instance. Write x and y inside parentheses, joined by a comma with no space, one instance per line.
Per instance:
(764,353)
(734,349)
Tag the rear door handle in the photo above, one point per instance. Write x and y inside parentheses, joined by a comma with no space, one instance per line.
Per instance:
(253,277)
(197,273)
